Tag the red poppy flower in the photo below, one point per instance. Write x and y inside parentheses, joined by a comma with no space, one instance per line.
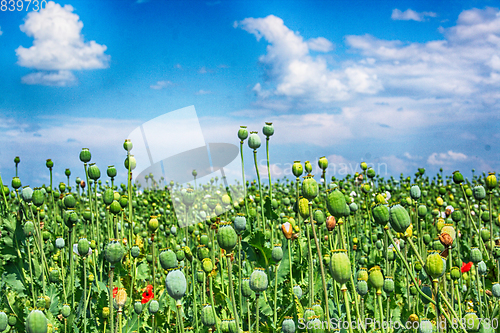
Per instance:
(148,294)
(466,267)
(115,291)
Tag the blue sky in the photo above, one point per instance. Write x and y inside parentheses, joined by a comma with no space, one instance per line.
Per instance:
(400,84)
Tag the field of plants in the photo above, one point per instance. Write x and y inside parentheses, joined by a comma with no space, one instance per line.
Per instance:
(365,253)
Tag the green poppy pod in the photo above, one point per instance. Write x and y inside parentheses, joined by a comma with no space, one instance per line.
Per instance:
(87,214)
(340,266)
(16,182)
(277,253)
(381,214)
(138,307)
(481,268)
(240,223)
(288,325)
(69,201)
(495,289)
(323,163)
(53,276)
(108,196)
(130,160)
(362,287)
(297,291)
(458,178)
(62,187)
(388,285)
(83,247)
(491,181)
(434,265)
(207,265)
(180,255)
(12,321)
(36,322)
(362,274)
(310,188)
(28,228)
(94,172)
(399,218)
(308,314)
(363,166)
(353,207)
(415,192)
(243,133)
(127,145)
(26,194)
(471,321)
(135,251)
(245,287)
(304,207)
(168,259)
(308,167)
(114,252)
(318,310)
(204,238)
(65,311)
(376,278)
(455,273)
(38,197)
(254,141)
(336,203)
(319,217)
(479,192)
(85,155)
(202,252)
(485,234)
(115,207)
(258,280)
(49,163)
(4,321)
(226,236)
(154,306)
(189,197)
(111,171)
(422,211)
(425,326)
(475,255)
(268,129)
(153,224)
(207,315)
(176,284)
(370,173)
(428,291)
(60,243)
(297,169)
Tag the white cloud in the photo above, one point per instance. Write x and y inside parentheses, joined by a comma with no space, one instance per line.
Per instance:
(1,32)
(58,45)
(161,85)
(52,78)
(203,92)
(410,15)
(411,157)
(446,159)
(298,74)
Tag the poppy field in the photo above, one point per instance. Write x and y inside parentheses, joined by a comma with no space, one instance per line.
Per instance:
(417,253)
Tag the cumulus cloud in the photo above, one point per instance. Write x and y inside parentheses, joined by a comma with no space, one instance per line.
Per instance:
(161,85)
(58,47)
(295,73)
(446,159)
(410,15)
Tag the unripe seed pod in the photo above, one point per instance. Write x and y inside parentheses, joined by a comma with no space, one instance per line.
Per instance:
(130,160)
(168,259)
(154,306)
(297,291)
(85,156)
(227,237)
(481,268)
(115,207)
(491,181)
(422,211)
(258,280)
(323,163)
(455,273)
(16,182)
(83,247)
(4,321)
(108,196)
(127,145)
(36,322)
(308,167)
(336,203)
(381,214)
(135,251)
(475,255)
(362,287)
(26,194)
(472,321)
(479,192)
(254,141)
(458,178)
(207,315)
(38,197)
(176,284)
(399,218)
(434,266)
(362,274)
(288,325)
(240,223)
(246,291)
(268,129)
(94,172)
(49,163)
(277,253)
(415,192)
(428,291)
(12,320)
(297,169)
(388,285)
(207,265)
(138,307)
(243,133)
(376,278)
(114,252)
(153,224)
(310,188)
(485,234)
(28,228)
(340,266)
(304,207)
(495,289)
(60,243)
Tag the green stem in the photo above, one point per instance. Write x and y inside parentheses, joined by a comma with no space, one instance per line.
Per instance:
(85,295)
(31,274)
(347,307)
(260,188)
(243,176)
(179,315)
(381,310)
(111,308)
(231,290)
(257,312)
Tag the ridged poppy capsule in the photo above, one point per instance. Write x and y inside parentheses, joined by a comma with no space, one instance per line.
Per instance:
(127,145)
(491,181)
(226,236)
(114,252)
(111,171)
(370,173)
(154,306)
(310,188)
(26,194)
(399,218)
(495,289)
(176,284)
(36,322)
(138,307)
(340,266)
(297,169)
(83,247)
(38,198)
(243,133)
(49,163)
(458,178)
(115,207)
(240,223)
(133,162)
(415,192)
(258,280)
(336,203)
(268,129)
(362,287)
(376,278)
(388,285)
(323,163)
(85,155)
(364,166)
(254,141)
(168,259)
(308,167)
(94,172)
(381,214)
(479,192)
(277,253)
(297,291)
(288,325)
(472,321)
(475,255)
(434,265)
(207,315)
(69,201)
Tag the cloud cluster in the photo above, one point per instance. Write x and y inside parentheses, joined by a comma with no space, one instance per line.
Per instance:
(159,85)
(446,159)
(58,47)
(410,15)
